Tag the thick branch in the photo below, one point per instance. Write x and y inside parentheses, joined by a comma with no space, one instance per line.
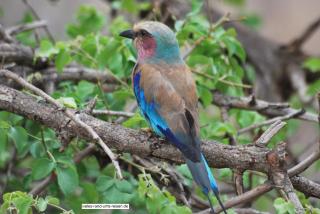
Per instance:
(129,140)
(16,53)
(138,142)
(308,187)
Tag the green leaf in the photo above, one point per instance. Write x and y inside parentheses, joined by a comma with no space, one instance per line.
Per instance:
(84,89)
(184,170)
(41,168)
(4,125)
(136,120)
(205,96)
(68,179)
(104,183)
(283,206)
(41,204)
(314,88)
(113,195)
(23,204)
(124,186)
(4,207)
(68,102)
(52,200)
(20,137)
(4,153)
(130,6)
(90,192)
(313,64)
(62,59)
(89,20)
(46,49)
(220,129)
(36,149)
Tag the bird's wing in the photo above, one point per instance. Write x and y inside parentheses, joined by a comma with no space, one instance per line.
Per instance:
(167,98)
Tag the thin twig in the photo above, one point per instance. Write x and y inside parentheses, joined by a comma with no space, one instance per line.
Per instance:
(95,137)
(97,112)
(269,133)
(308,161)
(221,79)
(5,36)
(306,34)
(303,165)
(270,121)
(26,27)
(35,14)
(245,197)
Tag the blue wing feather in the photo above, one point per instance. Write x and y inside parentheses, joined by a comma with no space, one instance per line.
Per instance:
(149,111)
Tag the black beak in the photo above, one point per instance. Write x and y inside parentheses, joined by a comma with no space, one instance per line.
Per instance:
(128,34)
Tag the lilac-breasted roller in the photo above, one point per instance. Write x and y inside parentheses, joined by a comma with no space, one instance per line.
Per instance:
(166,95)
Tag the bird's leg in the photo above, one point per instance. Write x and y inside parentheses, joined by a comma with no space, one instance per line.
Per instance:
(211,206)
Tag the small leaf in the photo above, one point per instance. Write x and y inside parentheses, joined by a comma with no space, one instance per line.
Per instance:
(283,206)
(68,102)
(124,186)
(104,183)
(205,96)
(313,64)
(41,168)
(113,195)
(23,204)
(88,20)
(19,136)
(136,120)
(46,49)
(68,179)
(4,125)
(36,149)
(52,200)
(314,88)
(41,204)
(62,59)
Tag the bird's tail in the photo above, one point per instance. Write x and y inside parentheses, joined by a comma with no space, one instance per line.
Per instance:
(202,175)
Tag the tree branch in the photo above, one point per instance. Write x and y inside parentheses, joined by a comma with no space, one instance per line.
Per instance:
(35,14)
(261,106)
(94,136)
(138,142)
(245,197)
(26,27)
(298,42)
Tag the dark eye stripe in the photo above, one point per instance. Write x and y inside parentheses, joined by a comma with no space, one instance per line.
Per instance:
(144,33)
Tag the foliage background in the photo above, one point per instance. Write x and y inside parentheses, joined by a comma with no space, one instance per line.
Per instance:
(93,42)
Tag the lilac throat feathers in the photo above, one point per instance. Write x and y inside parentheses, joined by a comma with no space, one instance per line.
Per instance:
(146,48)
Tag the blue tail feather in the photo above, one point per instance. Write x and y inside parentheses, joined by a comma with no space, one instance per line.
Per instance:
(203,177)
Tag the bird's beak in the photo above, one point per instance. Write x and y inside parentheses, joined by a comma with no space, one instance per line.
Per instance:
(128,34)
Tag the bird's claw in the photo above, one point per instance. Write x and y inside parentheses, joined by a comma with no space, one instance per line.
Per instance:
(149,132)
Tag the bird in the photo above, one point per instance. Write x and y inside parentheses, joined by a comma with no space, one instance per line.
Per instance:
(166,95)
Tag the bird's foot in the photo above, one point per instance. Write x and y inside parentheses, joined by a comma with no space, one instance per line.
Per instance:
(148,131)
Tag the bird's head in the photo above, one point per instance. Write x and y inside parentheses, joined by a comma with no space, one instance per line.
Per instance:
(155,42)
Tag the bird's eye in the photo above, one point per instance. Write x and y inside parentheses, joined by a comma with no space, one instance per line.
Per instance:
(144,33)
